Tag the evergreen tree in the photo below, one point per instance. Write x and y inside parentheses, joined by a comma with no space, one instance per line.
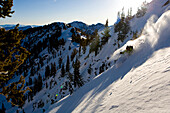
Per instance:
(95,45)
(84,49)
(25,74)
(142,10)
(38,66)
(39,82)
(30,81)
(32,71)
(135,35)
(73,54)
(122,27)
(130,11)
(60,62)
(80,50)
(107,22)
(2,110)
(129,15)
(47,71)
(15,94)
(51,82)
(89,69)
(62,71)
(106,36)
(5,8)
(53,69)
(101,69)
(70,88)
(12,57)
(35,86)
(94,34)
(41,62)
(17,111)
(69,48)
(70,76)
(11,49)
(46,84)
(123,13)
(77,78)
(68,64)
(118,14)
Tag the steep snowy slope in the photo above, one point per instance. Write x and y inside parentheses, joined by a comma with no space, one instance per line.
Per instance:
(144,88)
(135,83)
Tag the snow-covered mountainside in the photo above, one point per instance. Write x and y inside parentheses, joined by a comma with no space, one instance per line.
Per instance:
(83,68)
(50,47)
(135,83)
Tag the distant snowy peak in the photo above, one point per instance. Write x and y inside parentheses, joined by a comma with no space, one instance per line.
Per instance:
(83,26)
(60,24)
(21,27)
(79,25)
(96,26)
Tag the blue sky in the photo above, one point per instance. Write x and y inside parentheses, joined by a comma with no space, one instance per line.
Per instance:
(40,12)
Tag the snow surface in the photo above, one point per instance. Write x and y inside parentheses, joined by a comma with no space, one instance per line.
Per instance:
(144,88)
